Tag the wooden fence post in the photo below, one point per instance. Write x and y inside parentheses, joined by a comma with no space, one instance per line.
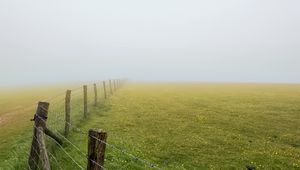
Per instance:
(111,91)
(40,118)
(67,112)
(104,89)
(42,149)
(85,101)
(96,94)
(114,85)
(96,149)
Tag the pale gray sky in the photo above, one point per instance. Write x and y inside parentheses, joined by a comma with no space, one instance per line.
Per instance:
(211,40)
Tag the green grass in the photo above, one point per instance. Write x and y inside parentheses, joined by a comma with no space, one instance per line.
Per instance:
(190,126)
(17,108)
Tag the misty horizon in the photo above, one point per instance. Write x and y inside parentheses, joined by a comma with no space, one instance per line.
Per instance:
(188,41)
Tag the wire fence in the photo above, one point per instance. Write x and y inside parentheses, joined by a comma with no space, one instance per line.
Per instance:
(77,158)
(113,151)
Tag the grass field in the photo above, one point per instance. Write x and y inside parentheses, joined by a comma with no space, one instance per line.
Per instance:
(180,126)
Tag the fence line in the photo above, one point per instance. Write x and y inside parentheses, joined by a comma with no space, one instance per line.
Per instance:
(57,115)
(60,147)
(152,165)
(57,112)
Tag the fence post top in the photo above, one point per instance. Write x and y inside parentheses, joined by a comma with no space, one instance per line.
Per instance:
(43,103)
(96,131)
(42,108)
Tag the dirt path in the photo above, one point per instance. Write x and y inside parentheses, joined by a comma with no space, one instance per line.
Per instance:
(17,113)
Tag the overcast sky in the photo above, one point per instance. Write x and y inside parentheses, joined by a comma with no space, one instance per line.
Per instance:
(212,40)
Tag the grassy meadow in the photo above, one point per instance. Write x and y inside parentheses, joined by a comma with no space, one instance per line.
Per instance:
(171,125)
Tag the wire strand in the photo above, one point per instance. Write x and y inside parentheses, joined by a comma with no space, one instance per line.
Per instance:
(64,151)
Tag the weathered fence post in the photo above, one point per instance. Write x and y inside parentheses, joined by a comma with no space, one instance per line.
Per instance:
(49,133)
(67,112)
(104,89)
(96,94)
(40,118)
(42,149)
(96,149)
(85,100)
(114,85)
(111,91)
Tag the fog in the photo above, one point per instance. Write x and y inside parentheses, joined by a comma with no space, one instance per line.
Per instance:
(163,40)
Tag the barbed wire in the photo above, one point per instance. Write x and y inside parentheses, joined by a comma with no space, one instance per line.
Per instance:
(44,99)
(77,148)
(55,160)
(74,146)
(152,165)
(70,143)
(58,115)
(113,146)
(62,149)
(54,97)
